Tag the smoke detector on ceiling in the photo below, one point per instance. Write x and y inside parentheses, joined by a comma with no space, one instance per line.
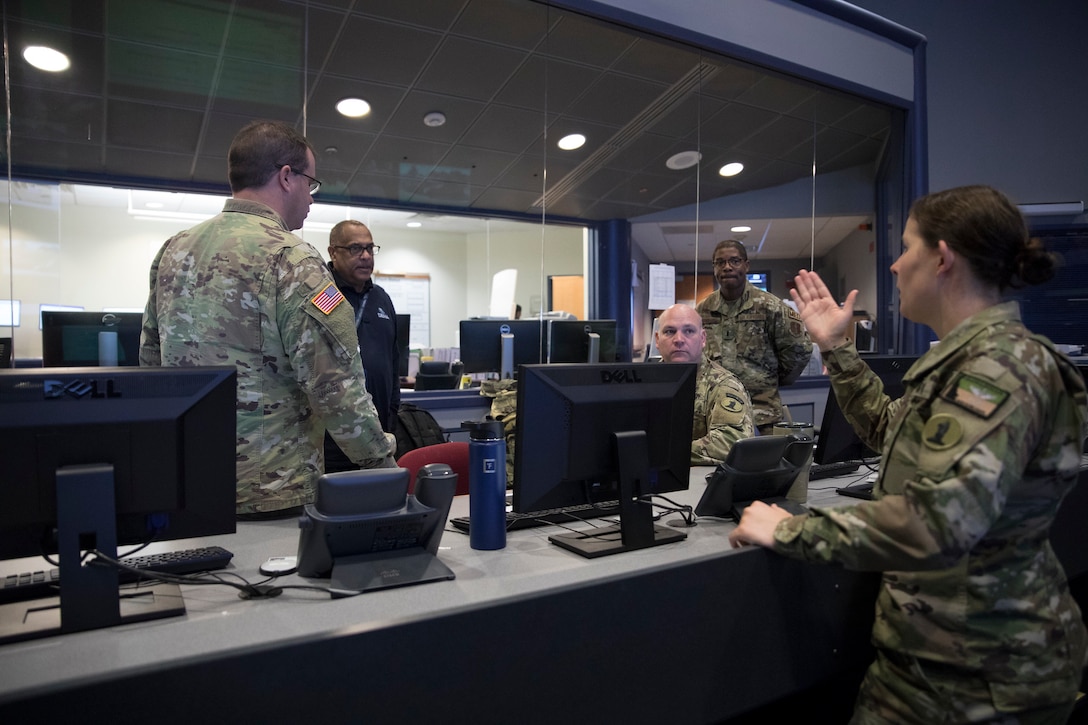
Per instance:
(434,119)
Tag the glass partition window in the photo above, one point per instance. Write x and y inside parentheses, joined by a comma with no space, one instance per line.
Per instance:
(506,130)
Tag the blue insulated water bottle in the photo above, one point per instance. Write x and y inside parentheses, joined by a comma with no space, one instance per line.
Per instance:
(486,484)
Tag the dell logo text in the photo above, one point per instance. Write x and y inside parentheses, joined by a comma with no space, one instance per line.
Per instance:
(620,376)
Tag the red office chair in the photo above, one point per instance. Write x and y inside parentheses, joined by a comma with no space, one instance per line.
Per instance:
(454,454)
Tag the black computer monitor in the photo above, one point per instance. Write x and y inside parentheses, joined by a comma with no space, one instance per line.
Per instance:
(589,434)
(837,440)
(581,341)
(96,457)
(70,337)
(404,333)
(760,280)
(500,346)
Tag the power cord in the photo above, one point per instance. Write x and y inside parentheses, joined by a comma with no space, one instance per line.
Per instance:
(246,589)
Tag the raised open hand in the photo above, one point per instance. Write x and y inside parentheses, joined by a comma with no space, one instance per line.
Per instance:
(826,321)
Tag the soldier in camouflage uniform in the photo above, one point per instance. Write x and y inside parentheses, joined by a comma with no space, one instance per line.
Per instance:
(504,408)
(723,411)
(974,619)
(753,334)
(241,290)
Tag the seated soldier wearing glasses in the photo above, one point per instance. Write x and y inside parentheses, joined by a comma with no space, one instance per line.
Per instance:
(753,334)
(352,250)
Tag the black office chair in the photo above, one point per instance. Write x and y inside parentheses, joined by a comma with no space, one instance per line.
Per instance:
(438,375)
(5,352)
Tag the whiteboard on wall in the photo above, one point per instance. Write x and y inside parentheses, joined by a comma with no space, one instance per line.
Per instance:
(411,295)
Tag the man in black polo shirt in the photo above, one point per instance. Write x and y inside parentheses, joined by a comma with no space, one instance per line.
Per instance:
(352,250)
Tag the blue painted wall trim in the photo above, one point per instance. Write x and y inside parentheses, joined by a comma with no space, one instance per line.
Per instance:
(612,296)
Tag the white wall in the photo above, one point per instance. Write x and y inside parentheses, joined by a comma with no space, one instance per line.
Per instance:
(99,257)
(537,253)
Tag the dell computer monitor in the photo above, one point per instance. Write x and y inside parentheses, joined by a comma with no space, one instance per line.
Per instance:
(581,341)
(97,457)
(70,338)
(590,434)
(837,439)
(500,346)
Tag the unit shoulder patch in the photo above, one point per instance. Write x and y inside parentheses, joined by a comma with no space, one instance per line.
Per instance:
(975,394)
(942,431)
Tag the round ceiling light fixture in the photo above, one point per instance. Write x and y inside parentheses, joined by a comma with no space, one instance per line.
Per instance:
(353,107)
(740,229)
(731,169)
(414,225)
(46,59)
(683,160)
(434,119)
(572,141)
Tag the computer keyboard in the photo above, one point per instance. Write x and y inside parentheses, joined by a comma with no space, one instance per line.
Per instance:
(830,470)
(46,582)
(564,515)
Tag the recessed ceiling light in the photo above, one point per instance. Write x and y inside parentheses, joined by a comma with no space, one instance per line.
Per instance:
(414,225)
(47,59)
(683,160)
(153,205)
(741,229)
(353,107)
(571,142)
(731,169)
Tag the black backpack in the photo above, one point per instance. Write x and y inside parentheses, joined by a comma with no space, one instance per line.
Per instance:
(415,428)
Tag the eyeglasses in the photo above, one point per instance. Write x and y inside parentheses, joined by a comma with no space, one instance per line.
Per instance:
(734,262)
(356,250)
(314,183)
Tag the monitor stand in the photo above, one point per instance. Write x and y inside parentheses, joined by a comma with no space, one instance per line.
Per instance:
(636,529)
(90,596)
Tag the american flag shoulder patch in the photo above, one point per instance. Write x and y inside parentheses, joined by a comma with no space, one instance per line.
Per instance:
(328,298)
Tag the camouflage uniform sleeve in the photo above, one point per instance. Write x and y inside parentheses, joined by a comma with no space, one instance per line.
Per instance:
(324,350)
(792,344)
(728,419)
(966,464)
(150,345)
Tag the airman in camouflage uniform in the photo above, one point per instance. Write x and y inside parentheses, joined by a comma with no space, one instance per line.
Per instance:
(723,411)
(241,290)
(753,334)
(974,619)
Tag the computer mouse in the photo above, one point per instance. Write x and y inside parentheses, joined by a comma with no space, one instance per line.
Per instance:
(279,566)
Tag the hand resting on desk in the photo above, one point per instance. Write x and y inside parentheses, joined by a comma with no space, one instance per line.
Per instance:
(757,525)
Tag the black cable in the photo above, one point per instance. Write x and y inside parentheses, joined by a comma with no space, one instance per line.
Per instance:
(685,511)
(246,589)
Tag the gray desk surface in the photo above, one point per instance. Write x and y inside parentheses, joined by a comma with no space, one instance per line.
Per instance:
(218,622)
(687,632)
